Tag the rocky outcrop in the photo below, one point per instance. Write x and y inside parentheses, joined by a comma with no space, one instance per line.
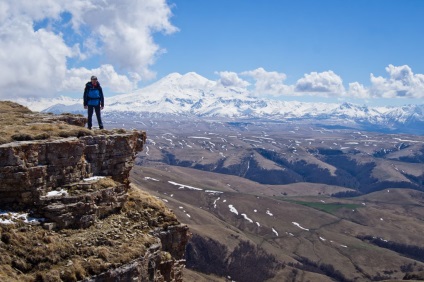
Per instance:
(76,183)
(164,261)
(31,169)
(81,211)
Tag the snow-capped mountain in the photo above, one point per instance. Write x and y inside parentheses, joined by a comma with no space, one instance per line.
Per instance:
(194,95)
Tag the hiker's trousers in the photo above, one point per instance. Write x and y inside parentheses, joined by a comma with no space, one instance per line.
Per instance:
(98,115)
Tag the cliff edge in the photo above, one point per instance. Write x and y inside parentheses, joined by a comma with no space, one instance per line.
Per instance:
(68,211)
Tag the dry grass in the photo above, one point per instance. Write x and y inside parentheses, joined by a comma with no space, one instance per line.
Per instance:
(82,188)
(18,123)
(30,253)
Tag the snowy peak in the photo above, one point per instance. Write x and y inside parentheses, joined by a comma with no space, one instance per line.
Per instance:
(194,95)
(187,81)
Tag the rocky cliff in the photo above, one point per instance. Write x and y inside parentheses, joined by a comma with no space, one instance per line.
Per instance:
(68,211)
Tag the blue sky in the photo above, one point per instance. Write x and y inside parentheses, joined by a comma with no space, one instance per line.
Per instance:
(352,38)
(362,51)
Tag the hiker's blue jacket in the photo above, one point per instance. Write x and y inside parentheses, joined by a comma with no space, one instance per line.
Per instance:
(99,100)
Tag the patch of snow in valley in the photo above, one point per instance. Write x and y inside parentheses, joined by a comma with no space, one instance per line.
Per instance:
(182,186)
(170,141)
(250,140)
(275,231)
(258,224)
(233,209)
(246,217)
(150,178)
(298,225)
(199,137)
(269,213)
(214,202)
(408,140)
(213,192)
(322,239)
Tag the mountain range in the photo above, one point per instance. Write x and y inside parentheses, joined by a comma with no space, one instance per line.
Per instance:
(191,95)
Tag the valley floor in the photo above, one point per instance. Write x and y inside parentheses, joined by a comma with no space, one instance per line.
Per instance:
(297,234)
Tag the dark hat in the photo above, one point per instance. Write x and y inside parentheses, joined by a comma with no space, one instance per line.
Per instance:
(93,77)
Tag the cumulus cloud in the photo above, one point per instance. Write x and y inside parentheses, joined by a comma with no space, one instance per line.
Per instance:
(357,90)
(325,84)
(231,79)
(402,82)
(31,62)
(106,74)
(39,38)
(125,28)
(268,83)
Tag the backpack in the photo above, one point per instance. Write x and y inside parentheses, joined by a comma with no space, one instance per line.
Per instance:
(93,97)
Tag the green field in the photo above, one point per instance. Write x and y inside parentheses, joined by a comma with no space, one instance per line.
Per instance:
(325,207)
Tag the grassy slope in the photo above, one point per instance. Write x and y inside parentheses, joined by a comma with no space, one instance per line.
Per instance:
(333,223)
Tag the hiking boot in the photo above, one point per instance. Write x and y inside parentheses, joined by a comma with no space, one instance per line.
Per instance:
(101,127)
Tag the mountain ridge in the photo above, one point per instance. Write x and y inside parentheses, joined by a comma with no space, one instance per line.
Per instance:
(196,96)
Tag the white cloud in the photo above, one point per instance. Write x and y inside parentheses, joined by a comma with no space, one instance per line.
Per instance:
(324,84)
(402,82)
(31,62)
(125,28)
(357,90)
(76,79)
(269,83)
(34,61)
(231,79)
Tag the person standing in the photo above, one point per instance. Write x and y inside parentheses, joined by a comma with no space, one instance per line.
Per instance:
(94,101)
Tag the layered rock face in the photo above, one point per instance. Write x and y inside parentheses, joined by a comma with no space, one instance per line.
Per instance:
(31,170)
